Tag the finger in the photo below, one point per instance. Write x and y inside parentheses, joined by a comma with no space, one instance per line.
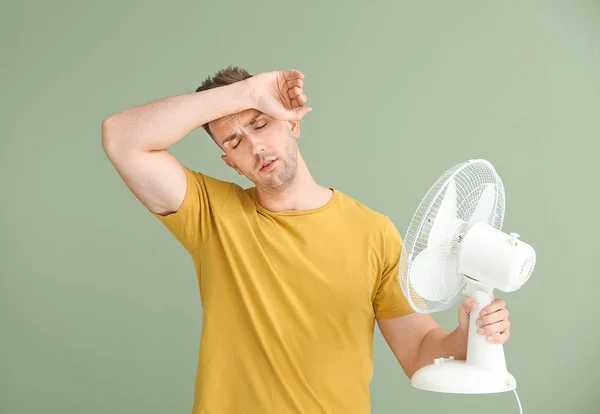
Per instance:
(299,113)
(293,74)
(495,317)
(294,92)
(295,82)
(299,101)
(498,338)
(494,329)
(493,307)
(469,305)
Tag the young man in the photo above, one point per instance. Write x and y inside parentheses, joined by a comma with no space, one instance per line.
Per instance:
(292,274)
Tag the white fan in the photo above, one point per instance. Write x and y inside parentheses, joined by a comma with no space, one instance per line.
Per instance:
(454,246)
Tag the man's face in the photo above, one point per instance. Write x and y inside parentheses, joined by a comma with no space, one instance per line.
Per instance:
(250,139)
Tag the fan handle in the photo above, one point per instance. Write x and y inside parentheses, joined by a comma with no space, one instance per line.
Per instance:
(481,353)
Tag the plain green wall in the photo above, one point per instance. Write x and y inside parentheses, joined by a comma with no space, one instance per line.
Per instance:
(99,307)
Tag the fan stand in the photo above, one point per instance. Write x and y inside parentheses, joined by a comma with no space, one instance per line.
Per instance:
(483,372)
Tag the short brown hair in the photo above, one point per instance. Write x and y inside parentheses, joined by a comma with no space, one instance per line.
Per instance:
(227,76)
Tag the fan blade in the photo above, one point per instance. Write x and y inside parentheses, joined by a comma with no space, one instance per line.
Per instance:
(485,205)
(434,272)
(422,276)
(443,225)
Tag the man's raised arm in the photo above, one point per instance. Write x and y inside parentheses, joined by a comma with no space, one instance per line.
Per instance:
(136,140)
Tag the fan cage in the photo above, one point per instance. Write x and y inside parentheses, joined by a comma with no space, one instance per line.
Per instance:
(471,178)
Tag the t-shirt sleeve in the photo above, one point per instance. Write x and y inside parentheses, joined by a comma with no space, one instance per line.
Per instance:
(389,300)
(193,222)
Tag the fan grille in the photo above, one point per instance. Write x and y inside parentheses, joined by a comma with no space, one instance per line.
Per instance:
(471,178)
(527,269)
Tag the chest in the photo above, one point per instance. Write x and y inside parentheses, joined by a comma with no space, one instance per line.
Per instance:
(309,265)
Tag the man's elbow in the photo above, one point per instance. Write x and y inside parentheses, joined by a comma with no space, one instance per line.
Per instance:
(108,133)
(410,369)
(409,365)
(113,137)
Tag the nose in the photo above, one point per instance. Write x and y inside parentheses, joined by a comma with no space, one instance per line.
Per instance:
(258,144)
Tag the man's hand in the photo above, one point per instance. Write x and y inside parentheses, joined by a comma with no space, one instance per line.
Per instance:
(279,94)
(492,322)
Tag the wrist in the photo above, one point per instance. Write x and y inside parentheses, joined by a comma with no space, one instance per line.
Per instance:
(248,93)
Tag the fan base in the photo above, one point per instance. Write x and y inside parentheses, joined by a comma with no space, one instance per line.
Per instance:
(458,377)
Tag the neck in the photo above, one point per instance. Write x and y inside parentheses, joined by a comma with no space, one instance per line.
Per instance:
(303,193)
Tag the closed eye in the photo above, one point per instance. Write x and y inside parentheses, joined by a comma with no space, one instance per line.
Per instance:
(238,143)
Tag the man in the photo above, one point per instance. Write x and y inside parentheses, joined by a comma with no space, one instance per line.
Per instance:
(292,274)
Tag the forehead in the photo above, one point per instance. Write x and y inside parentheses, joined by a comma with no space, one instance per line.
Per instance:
(230,124)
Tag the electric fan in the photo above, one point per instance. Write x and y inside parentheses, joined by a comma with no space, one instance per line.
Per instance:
(454,246)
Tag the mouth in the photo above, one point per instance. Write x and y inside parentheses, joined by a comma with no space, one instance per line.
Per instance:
(268,165)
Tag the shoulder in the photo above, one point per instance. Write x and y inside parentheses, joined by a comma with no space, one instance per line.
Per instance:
(205,192)
(361,211)
(373,226)
(206,179)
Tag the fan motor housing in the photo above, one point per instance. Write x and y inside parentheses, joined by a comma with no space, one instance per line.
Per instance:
(495,258)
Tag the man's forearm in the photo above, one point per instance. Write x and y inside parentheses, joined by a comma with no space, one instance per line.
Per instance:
(159,124)
(439,343)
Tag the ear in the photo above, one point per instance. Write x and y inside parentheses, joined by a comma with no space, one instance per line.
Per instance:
(294,127)
(230,163)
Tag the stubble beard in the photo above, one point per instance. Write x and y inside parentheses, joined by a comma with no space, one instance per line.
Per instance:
(285,173)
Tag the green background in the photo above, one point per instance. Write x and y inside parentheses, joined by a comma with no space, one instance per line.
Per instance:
(99,306)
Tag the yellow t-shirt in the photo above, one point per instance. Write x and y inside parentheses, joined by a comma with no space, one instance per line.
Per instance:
(289,299)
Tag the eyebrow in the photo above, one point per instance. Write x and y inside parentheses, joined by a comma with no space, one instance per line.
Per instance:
(249,123)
